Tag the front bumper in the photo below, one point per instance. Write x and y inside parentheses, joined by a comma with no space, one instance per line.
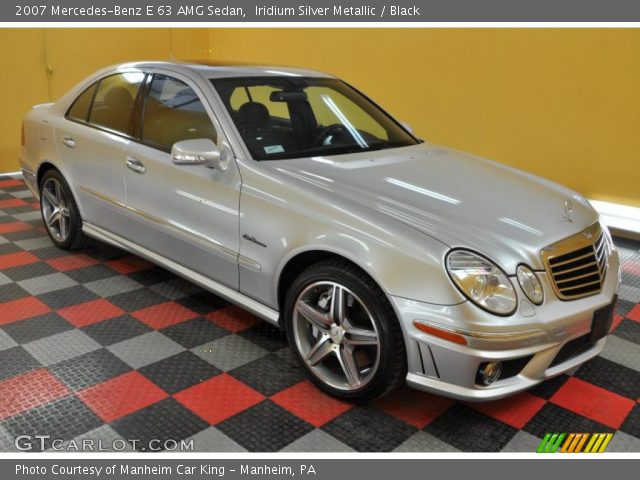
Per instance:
(539,341)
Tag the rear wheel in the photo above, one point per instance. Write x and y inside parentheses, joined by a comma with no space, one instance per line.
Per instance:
(60,212)
(344,332)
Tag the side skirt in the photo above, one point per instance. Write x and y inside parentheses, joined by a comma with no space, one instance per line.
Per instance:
(229,294)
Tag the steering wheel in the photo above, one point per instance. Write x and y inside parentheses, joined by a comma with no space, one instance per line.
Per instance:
(336,128)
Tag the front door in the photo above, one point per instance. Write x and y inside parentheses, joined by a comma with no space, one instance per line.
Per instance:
(187,213)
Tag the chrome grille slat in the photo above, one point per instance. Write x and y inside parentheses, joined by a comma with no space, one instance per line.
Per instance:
(578,277)
(577,265)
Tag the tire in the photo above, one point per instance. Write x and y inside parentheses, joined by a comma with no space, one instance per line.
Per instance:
(65,233)
(367,315)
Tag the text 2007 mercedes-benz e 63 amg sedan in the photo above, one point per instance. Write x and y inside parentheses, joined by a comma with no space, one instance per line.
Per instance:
(290,193)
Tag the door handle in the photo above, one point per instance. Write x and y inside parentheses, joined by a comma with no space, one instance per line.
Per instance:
(136,165)
(69,142)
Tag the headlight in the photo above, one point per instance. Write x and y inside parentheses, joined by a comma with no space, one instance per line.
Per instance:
(530,284)
(482,281)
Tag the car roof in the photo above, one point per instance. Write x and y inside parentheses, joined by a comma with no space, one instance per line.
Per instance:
(216,69)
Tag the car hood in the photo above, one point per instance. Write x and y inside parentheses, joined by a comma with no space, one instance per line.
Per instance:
(459,199)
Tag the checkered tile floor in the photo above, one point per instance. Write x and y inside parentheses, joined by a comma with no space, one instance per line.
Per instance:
(102,345)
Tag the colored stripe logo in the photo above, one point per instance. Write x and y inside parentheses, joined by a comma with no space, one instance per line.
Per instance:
(574,442)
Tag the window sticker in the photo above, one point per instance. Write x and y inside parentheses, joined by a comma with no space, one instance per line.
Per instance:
(273,149)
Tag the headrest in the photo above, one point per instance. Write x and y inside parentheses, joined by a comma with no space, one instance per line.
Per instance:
(119,97)
(252,114)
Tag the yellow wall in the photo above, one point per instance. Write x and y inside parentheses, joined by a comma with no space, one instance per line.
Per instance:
(562,103)
(45,63)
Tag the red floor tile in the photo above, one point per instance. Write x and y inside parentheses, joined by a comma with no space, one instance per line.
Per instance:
(634,314)
(233,318)
(12,202)
(71,262)
(28,391)
(218,398)
(11,183)
(631,267)
(593,402)
(90,312)
(129,264)
(164,315)
(20,309)
(17,259)
(121,396)
(414,407)
(310,404)
(11,227)
(515,411)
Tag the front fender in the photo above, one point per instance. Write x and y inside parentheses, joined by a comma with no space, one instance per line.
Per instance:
(288,221)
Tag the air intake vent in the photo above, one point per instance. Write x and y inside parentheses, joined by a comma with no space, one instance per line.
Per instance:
(577,265)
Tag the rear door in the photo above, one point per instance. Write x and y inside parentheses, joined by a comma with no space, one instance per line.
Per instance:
(92,141)
(187,213)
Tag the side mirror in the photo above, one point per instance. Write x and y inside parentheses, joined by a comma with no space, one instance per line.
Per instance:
(407,127)
(199,151)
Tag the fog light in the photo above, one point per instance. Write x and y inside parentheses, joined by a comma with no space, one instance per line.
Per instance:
(489,372)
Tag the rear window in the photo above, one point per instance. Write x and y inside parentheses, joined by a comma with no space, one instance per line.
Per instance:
(80,108)
(113,103)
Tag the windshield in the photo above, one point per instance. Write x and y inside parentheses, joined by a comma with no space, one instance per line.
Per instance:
(292,117)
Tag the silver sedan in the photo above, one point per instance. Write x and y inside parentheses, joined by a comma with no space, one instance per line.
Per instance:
(288,192)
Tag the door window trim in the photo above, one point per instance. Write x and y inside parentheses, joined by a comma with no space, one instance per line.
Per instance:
(140,101)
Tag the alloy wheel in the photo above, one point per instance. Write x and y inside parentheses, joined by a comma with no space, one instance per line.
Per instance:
(336,335)
(55,209)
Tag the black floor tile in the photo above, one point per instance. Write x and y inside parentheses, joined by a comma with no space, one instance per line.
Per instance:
(137,299)
(116,330)
(369,430)
(202,302)
(179,371)
(547,388)
(25,272)
(265,335)
(38,327)
(12,291)
(631,424)
(68,297)
(552,418)
(165,420)
(63,419)
(269,374)
(629,330)
(91,273)
(89,369)
(16,361)
(192,333)
(266,427)
(612,376)
(470,430)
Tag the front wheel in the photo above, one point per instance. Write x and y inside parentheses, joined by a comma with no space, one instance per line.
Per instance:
(344,332)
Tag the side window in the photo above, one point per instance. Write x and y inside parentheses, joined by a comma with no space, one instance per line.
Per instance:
(80,108)
(114,100)
(173,112)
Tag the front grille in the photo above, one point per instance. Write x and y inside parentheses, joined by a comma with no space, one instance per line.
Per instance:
(577,265)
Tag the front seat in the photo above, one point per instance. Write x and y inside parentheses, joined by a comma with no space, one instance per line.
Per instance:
(252,115)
